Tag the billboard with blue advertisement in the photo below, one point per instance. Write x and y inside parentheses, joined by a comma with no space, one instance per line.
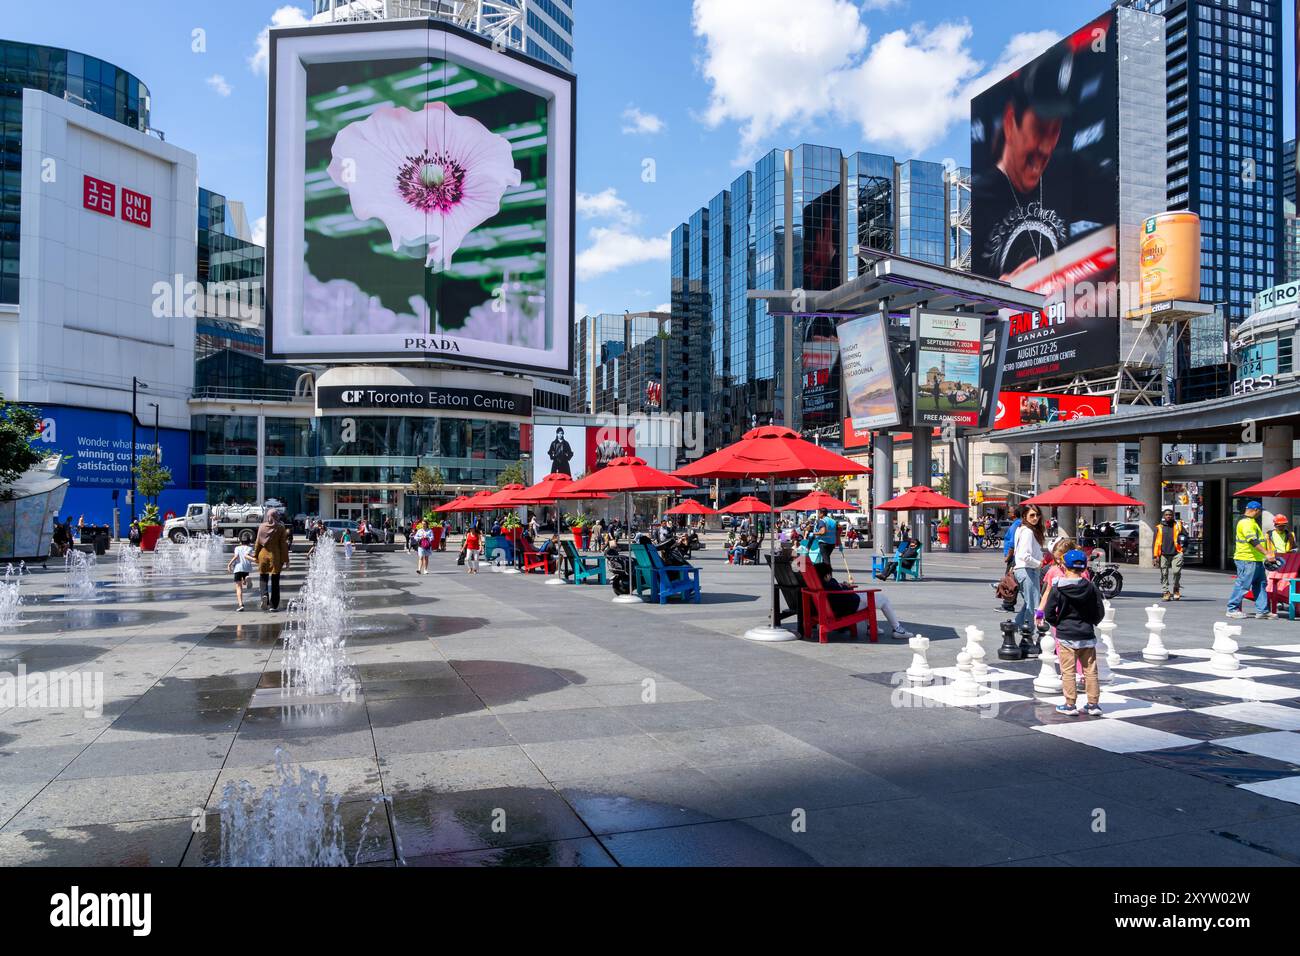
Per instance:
(98,446)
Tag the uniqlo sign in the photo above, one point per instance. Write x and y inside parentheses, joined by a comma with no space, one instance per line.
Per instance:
(99,196)
(137,208)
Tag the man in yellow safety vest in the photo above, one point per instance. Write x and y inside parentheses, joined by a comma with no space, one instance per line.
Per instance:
(1252,549)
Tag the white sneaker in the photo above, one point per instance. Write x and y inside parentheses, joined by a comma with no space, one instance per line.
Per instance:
(902,634)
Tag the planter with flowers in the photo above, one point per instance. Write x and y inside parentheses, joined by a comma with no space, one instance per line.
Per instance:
(151,528)
(945,530)
(580,525)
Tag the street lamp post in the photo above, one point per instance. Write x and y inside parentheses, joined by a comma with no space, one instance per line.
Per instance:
(136,385)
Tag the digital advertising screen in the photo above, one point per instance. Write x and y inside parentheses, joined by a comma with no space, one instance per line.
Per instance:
(421,195)
(820,385)
(948,370)
(867,365)
(1045,200)
(1040,408)
(559,450)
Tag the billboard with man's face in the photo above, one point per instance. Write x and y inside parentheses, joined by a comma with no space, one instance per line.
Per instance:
(1045,199)
(421,196)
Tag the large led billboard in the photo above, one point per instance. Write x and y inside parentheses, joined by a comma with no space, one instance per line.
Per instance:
(1045,199)
(421,197)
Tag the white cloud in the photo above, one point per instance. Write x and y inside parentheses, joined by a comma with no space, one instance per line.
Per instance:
(904,89)
(219,85)
(643,124)
(665,307)
(580,310)
(614,248)
(259,231)
(769,70)
(606,204)
(287,16)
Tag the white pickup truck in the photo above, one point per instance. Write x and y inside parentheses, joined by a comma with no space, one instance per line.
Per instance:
(236,522)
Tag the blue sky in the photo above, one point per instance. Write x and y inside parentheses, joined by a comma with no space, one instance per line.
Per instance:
(696,86)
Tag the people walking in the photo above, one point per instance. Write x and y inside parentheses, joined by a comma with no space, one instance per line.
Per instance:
(1027,562)
(1252,550)
(423,547)
(1170,541)
(241,566)
(473,545)
(272,556)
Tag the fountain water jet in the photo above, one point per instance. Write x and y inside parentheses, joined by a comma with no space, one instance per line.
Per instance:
(315,659)
(11,595)
(130,573)
(293,822)
(80,581)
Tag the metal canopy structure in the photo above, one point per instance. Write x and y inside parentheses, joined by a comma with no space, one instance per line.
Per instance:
(897,284)
(1217,421)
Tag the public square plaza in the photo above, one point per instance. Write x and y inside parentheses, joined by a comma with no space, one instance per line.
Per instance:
(503,720)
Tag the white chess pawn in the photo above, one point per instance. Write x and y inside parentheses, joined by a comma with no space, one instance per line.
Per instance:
(1048,680)
(1223,654)
(1105,637)
(920,673)
(975,648)
(1113,657)
(1155,651)
(965,685)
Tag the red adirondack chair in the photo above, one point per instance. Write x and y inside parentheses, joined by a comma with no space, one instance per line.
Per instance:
(817,612)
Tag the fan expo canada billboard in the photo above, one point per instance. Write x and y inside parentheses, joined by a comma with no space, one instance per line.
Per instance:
(421,196)
(1045,201)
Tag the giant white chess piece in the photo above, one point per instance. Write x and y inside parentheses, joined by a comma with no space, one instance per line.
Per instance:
(965,685)
(1106,636)
(979,670)
(1223,655)
(920,673)
(1155,650)
(1048,680)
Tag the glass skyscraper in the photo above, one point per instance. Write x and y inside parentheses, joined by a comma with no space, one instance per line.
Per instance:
(1224,103)
(541,28)
(804,218)
(93,83)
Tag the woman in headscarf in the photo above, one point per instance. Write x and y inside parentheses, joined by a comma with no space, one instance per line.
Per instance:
(272,555)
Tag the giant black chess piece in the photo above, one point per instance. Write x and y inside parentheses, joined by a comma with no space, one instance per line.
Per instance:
(1028,646)
(1010,650)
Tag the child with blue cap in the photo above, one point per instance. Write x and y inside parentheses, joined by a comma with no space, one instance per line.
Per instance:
(1074,607)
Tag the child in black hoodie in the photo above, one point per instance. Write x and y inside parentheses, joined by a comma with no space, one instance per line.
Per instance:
(1074,608)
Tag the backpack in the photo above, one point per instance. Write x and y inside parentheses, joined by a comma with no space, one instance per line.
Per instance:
(1008,588)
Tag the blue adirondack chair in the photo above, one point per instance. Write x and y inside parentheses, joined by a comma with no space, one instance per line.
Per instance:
(663,580)
(584,566)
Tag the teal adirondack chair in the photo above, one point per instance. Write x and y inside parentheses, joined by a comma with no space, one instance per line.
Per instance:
(664,581)
(584,566)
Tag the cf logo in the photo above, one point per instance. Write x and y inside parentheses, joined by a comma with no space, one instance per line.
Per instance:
(351,398)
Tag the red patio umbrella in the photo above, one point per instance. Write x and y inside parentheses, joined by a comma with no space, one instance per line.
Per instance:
(772,452)
(555,487)
(816,501)
(920,498)
(505,498)
(470,503)
(1285,485)
(748,505)
(451,505)
(691,507)
(1080,492)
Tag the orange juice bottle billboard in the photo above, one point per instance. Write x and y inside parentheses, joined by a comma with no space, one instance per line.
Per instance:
(1171,258)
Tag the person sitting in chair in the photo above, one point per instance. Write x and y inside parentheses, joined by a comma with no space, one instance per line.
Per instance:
(751,551)
(553,551)
(906,554)
(845,604)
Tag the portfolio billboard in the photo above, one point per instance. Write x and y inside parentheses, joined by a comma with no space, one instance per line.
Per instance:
(1045,199)
(421,193)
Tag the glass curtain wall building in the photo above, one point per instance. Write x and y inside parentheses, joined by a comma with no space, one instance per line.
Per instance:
(541,28)
(803,218)
(1224,103)
(90,82)
(620,362)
